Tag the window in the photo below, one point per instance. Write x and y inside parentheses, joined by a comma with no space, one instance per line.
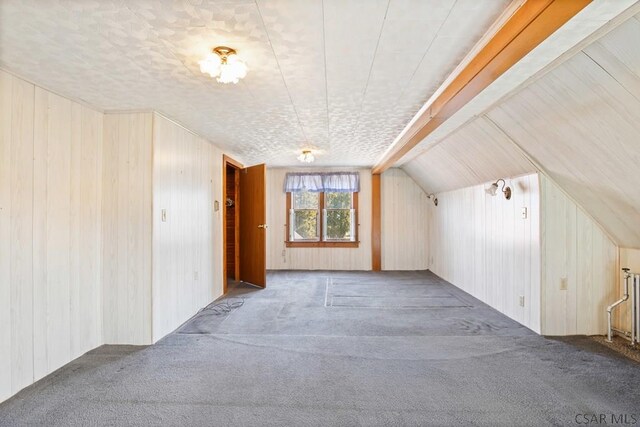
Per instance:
(322,219)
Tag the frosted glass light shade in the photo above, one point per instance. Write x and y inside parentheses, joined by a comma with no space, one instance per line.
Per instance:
(224,65)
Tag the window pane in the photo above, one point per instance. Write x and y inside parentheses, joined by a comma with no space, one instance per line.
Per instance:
(305,200)
(337,200)
(306,225)
(339,223)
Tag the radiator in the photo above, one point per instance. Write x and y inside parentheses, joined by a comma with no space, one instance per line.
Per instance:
(631,295)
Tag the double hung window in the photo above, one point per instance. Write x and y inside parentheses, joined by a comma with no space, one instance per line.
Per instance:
(322,218)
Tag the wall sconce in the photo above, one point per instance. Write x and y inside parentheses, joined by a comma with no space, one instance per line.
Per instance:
(493,189)
(433,198)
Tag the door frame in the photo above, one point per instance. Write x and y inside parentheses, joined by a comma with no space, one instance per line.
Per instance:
(237,166)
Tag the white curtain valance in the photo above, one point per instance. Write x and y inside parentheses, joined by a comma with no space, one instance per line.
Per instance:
(315,182)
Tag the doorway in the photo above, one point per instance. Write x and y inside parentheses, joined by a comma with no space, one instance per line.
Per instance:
(231,220)
(244,227)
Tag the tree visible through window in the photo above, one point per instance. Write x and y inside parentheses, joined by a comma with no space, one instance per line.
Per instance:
(322,217)
(306,215)
(337,216)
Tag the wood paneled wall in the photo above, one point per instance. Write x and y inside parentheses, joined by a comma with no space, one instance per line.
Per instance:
(126,214)
(505,256)
(158,273)
(483,245)
(578,255)
(184,278)
(280,257)
(50,196)
(217,230)
(405,228)
(76,190)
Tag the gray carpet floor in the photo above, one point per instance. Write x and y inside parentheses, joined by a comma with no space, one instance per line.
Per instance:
(340,349)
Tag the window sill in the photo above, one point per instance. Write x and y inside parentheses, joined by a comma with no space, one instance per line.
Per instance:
(322,244)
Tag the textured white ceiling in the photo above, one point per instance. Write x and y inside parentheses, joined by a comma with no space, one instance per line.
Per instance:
(340,76)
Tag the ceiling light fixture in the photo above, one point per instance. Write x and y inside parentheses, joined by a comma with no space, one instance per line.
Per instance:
(306,156)
(224,64)
(493,189)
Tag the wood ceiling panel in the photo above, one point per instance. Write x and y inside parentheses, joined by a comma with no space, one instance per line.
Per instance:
(581,123)
(476,153)
(591,23)
(623,44)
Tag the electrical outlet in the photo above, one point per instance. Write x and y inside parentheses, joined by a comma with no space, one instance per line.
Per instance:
(195,275)
(524,212)
(521,300)
(564,284)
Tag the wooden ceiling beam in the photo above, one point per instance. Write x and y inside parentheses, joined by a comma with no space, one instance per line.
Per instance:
(524,29)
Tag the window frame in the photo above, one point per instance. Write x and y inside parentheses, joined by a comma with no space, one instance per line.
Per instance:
(322,243)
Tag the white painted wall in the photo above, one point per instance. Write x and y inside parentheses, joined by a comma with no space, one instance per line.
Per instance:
(482,245)
(574,249)
(50,196)
(186,172)
(279,257)
(405,228)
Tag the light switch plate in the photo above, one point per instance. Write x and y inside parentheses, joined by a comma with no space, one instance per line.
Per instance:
(164,215)
(563,284)
(524,212)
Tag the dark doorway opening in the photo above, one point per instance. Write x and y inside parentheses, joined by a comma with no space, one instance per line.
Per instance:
(231,220)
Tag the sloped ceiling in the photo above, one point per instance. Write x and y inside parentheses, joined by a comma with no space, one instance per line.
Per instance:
(478,152)
(579,123)
(340,76)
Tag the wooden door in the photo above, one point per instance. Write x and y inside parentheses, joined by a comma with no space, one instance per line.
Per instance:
(253,227)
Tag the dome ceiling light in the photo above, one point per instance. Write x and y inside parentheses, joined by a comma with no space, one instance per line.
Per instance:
(224,64)
(306,156)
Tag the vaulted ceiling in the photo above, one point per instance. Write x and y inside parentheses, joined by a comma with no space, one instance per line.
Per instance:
(340,76)
(578,122)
